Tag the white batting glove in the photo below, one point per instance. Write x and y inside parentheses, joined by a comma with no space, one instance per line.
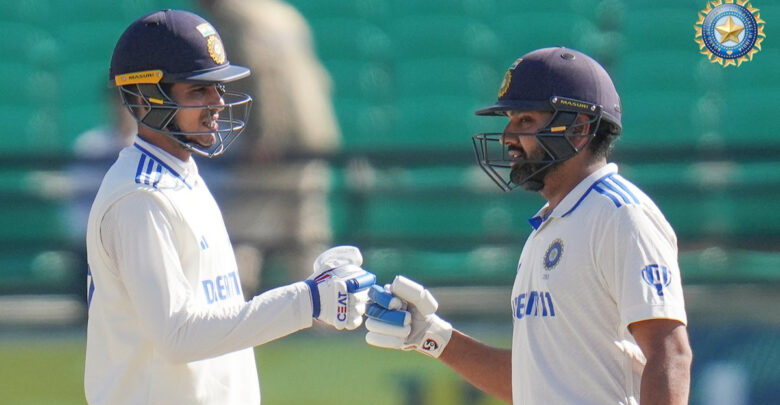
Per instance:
(339,287)
(402,316)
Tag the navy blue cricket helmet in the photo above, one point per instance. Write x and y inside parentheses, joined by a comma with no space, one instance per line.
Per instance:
(170,46)
(563,81)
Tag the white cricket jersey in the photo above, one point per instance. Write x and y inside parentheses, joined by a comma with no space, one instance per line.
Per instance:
(605,257)
(167,320)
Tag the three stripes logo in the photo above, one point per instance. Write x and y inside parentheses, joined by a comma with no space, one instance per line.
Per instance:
(613,187)
(148,172)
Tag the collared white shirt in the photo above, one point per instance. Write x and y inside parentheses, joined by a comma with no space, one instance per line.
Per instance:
(167,320)
(604,258)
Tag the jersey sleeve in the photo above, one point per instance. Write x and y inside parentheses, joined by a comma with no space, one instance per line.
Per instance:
(637,256)
(138,233)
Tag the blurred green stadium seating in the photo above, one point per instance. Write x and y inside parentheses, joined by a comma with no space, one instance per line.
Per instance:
(369,10)
(32,87)
(359,79)
(55,72)
(436,122)
(455,76)
(443,36)
(365,125)
(660,120)
(658,70)
(351,38)
(30,130)
(658,27)
(538,29)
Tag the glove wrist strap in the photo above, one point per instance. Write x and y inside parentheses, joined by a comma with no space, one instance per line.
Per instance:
(436,338)
(315,298)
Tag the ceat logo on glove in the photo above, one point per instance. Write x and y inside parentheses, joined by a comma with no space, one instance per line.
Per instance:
(342,307)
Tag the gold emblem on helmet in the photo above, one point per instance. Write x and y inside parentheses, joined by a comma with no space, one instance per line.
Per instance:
(508,78)
(216,50)
(505,84)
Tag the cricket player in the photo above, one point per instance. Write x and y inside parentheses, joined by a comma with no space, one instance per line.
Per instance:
(168,323)
(597,303)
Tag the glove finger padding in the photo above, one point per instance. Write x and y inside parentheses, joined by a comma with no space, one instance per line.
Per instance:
(356,304)
(385,299)
(387,336)
(393,317)
(336,257)
(415,294)
(377,326)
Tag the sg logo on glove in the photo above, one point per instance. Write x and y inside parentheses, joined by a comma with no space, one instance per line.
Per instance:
(430,345)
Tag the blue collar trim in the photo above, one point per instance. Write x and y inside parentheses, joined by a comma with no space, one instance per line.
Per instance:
(163,164)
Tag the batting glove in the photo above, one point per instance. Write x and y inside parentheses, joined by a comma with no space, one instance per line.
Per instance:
(339,287)
(403,316)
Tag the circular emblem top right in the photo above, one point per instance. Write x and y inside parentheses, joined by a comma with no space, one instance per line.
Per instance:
(729,32)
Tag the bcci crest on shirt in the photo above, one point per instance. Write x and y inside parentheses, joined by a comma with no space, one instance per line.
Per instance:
(553,254)
(729,32)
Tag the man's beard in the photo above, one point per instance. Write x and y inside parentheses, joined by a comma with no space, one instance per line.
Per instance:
(531,175)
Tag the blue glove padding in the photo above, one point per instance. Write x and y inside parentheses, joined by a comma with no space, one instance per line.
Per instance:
(384,298)
(361,282)
(398,318)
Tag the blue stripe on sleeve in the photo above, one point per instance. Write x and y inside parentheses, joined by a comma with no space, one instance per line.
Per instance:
(621,183)
(148,174)
(606,183)
(611,197)
(158,176)
(140,169)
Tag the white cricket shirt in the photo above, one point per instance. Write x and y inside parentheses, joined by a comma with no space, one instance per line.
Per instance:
(167,320)
(605,257)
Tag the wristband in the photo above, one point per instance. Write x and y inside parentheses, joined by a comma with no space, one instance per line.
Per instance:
(315,298)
